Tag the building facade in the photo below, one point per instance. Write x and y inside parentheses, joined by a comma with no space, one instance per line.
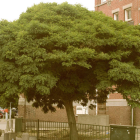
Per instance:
(114,111)
(125,10)
(129,11)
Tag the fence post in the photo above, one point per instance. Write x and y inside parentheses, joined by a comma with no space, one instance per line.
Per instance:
(38,129)
(70,125)
(18,125)
(24,125)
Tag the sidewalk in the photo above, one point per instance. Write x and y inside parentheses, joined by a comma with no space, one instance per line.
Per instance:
(3,124)
(16,138)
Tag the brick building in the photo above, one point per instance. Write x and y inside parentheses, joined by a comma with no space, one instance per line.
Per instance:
(125,10)
(115,110)
(26,110)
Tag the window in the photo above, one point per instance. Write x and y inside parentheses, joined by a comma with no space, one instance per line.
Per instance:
(103,1)
(115,13)
(116,16)
(128,14)
(81,110)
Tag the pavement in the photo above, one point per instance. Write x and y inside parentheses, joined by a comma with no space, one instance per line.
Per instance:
(3,124)
(16,138)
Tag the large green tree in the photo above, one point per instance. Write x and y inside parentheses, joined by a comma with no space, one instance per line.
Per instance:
(5,100)
(61,53)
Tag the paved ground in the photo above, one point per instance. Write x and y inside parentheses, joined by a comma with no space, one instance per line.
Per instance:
(2,124)
(16,138)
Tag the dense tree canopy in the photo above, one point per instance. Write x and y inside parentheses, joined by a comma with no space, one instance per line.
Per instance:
(60,53)
(5,100)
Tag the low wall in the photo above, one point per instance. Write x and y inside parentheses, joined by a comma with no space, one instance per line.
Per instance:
(94,119)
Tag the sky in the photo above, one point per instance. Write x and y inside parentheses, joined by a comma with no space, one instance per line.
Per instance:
(11,9)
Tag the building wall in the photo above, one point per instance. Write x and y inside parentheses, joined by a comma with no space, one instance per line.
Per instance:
(58,116)
(21,110)
(115,96)
(33,113)
(27,111)
(137,116)
(94,120)
(116,108)
(120,115)
(107,8)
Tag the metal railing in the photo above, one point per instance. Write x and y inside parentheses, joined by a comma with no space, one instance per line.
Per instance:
(93,132)
(45,130)
(137,134)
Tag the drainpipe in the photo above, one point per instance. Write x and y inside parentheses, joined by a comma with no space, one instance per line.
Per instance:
(24,108)
(96,103)
(96,108)
(132,117)
(138,13)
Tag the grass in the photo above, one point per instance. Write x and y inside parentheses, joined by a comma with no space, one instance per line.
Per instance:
(19,134)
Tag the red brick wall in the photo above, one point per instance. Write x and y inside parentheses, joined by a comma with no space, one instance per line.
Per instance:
(58,116)
(137,116)
(117,114)
(120,115)
(107,9)
(123,115)
(33,113)
(115,96)
(21,110)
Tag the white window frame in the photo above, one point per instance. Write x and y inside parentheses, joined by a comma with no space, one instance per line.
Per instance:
(115,12)
(102,1)
(127,18)
(84,110)
(115,16)
(126,9)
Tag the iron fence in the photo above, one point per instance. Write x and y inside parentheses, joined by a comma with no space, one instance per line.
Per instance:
(137,134)
(45,130)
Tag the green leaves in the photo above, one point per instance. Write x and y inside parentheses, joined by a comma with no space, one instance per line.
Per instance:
(43,82)
(124,71)
(58,52)
(38,29)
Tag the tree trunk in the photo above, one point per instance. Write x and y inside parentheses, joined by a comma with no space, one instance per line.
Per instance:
(71,120)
